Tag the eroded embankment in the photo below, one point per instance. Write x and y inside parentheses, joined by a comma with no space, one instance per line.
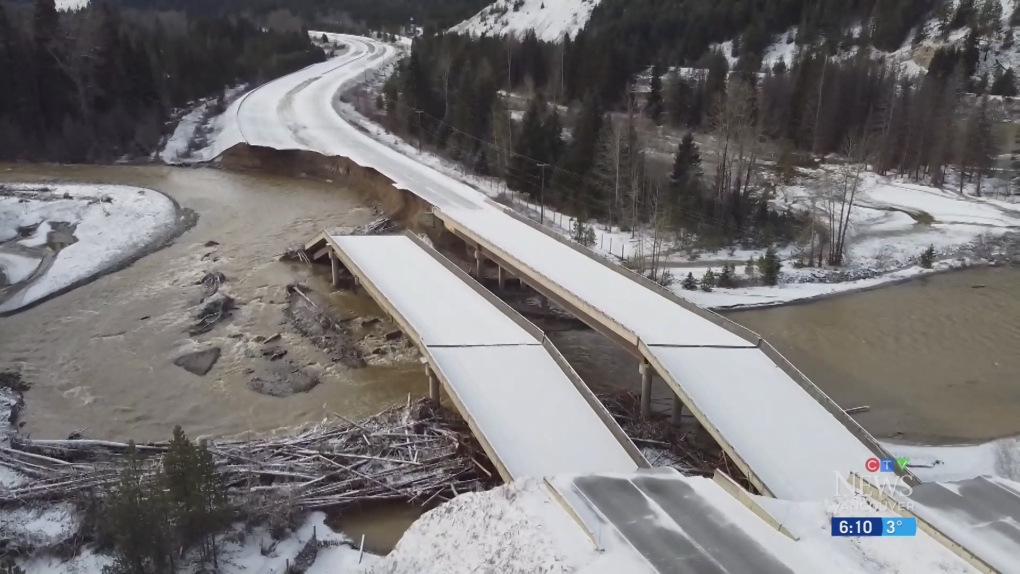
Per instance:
(398,204)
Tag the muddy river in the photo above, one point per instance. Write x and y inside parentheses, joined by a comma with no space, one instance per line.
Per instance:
(935,359)
(101,356)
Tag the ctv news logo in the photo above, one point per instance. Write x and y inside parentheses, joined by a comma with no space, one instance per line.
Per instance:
(879,488)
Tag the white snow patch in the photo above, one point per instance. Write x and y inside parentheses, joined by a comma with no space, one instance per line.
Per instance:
(1000,458)
(71,5)
(550,19)
(177,144)
(17,268)
(514,529)
(39,237)
(784,48)
(108,232)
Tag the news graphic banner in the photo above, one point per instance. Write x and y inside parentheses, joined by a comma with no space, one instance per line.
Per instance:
(863,526)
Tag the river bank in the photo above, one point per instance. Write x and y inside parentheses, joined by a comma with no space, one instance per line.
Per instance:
(101,357)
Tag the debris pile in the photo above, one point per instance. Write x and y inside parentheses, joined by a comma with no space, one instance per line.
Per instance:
(414,453)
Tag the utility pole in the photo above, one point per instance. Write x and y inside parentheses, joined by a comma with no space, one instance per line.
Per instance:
(541,194)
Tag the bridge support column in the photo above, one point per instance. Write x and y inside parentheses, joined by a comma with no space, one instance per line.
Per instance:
(335,262)
(678,411)
(479,259)
(500,277)
(433,384)
(646,389)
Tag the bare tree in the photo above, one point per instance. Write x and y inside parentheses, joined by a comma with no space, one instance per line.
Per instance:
(607,168)
(843,194)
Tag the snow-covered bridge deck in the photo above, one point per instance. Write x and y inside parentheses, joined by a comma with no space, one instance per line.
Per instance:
(527,407)
(783,433)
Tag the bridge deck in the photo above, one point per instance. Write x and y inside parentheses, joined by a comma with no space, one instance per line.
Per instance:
(528,409)
(770,420)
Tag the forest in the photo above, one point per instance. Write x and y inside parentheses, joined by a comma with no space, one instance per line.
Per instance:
(100,84)
(582,143)
(362,15)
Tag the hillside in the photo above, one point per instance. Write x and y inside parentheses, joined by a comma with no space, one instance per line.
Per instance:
(550,19)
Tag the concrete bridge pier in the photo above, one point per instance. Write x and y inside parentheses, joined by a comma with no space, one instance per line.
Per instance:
(433,384)
(335,262)
(500,277)
(479,260)
(646,389)
(678,411)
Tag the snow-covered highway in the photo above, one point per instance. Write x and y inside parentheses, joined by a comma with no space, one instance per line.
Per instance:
(787,442)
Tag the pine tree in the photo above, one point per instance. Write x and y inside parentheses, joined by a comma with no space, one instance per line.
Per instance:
(770,265)
(750,267)
(1004,84)
(678,101)
(927,258)
(138,518)
(199,503)
(654,107)
(684,199)
(708,281)
(690,283)
(727,278)
(579,159)
(582,233)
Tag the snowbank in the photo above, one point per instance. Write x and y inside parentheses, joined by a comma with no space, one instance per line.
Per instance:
(110,224)
(514,529)
(549,19)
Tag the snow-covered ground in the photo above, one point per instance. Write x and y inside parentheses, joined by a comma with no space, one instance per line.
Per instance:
(71,5)
(111,223)
(550,19)
(1000,458)
(514,529)
(177,148)
(255,553)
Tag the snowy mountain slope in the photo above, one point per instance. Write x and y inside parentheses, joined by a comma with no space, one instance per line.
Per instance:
(550,19)
(999,48)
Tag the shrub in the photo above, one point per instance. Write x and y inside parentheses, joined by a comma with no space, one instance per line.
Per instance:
(927,258)
(690,283)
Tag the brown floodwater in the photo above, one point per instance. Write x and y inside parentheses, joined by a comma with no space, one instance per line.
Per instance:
(937,359)
(101,356)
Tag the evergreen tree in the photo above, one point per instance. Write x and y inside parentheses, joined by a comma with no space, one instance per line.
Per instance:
(750,267)
(684,199)
(654,106)
(727,278)
(690,283)
(708,281)
(1004,84)
(769,265)
(537,149)
(138,517)
(679,100)
(583,195)
(199,501)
